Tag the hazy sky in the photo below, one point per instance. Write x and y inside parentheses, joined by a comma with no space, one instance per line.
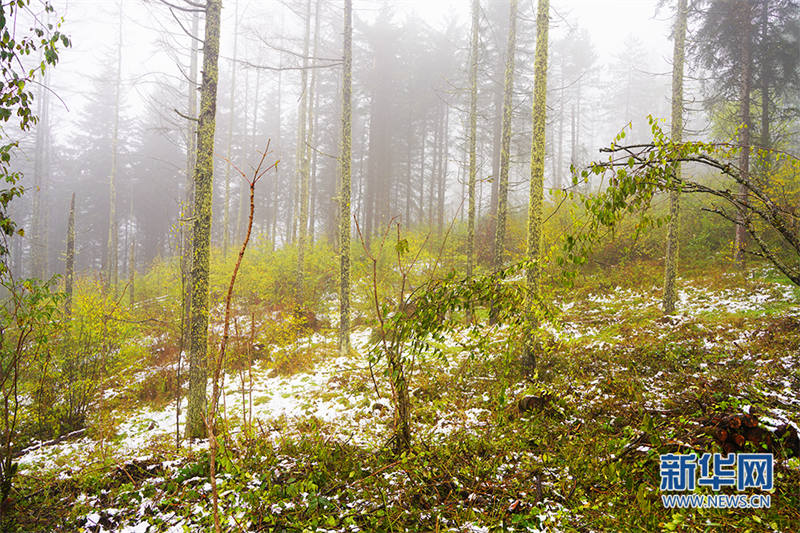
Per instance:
(93,24)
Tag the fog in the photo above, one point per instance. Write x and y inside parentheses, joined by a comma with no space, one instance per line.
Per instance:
(609,66)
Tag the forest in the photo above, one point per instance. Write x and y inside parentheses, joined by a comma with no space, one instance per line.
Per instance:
(367,265)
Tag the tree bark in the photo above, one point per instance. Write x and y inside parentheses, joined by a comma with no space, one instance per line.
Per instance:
(40,171)
(536,197)
(69,273)
(671,256)
(746,63)
(226,201)
(112,266)
(344,194)
(201,231)
(304,150)
(473,135)
(505,148)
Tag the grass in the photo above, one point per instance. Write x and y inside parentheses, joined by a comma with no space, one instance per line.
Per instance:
(625,386)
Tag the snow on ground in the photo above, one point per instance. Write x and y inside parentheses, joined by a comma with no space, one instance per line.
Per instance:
(337,393)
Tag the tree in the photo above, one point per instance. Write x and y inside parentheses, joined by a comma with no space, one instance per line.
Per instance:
(473,134)
(69,271)
(40,175)
(344,192)
(505,149)
(727,39)
(112,266)
(201,231)
(305,137)
(536,199)
(640,171)
(226,202)
(671,256)
(29,310)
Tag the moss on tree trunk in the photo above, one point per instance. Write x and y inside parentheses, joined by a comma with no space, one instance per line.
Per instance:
(201,231)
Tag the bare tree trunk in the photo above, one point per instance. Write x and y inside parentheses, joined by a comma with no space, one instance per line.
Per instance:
(69,273)
(204,181)
(497,134)
(442,181)
(744,134)
(304,146)
(132,273)
(671,256)
(112,272)
(40,172)
(421,203)
(344,193)
(766,76)
(226,201)
(505,151)
(473,135)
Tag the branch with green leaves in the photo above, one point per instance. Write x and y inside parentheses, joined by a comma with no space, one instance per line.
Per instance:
(635,173)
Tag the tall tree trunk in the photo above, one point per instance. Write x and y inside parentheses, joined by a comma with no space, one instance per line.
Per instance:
(671,256)
(442,176)
(226,201)
(497,134)
(437,143)
(473,135)
(242,196)
(344,193)
(505,147)
(421,202)
(536,197)
(204,182)
(746,63)
(558,178)
(132,273)
(304,146)
(278,146)
(40,172)
(112,266)
(766,76)
(314,191)
(187,208)
(69,273)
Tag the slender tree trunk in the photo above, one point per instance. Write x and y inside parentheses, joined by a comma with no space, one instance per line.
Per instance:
(226,201)
(69,273)
(497,133)
(421,203)
(437,143)
(744,135)
(243,143)
(314,191)
(473,135)
(204,182)
(671,256)
(187,214)
(40,171)
(558,178)
(112,273)
(279,144)
(304,150)
(766,76)
(132,273)
(442,183)
(505,148)
(344,194)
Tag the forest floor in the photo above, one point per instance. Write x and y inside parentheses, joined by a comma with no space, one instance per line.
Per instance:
(618,385)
